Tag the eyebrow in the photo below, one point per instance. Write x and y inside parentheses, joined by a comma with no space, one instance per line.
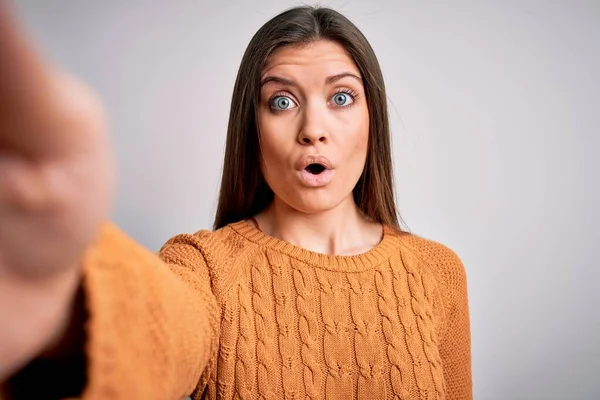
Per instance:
(337,77)
(328,80)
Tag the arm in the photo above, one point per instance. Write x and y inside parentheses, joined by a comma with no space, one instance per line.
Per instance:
(151,332)
(455,343)
(150,326)
(452,312)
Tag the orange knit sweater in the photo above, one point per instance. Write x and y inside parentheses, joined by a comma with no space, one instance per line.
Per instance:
(237,314)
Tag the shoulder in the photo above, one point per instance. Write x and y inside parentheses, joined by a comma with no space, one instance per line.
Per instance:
(443,262)
(221,250)
(441,266)
(219,245)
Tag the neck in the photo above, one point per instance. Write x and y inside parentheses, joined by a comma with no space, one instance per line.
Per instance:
(342,230)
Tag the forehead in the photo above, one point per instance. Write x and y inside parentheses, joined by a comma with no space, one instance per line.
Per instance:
(322,57)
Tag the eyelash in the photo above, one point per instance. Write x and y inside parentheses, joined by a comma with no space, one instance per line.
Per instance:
(274,96)
(353,93)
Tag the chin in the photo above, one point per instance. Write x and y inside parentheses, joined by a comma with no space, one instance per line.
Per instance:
(313,201)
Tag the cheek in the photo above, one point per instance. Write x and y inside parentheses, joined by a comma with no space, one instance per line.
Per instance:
(357,147)
(272,164)
(273,144)
(363,142)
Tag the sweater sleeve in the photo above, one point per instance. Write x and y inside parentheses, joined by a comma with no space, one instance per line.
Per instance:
(455,343)
(152,328)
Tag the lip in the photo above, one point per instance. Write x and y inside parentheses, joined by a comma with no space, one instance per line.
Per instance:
(310,180)
(314,159)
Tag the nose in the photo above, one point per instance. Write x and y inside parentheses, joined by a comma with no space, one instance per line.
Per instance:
(313,128)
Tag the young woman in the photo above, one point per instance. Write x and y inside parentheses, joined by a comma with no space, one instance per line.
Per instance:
(306,288)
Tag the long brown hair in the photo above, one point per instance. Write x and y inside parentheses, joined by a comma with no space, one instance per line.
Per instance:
(244,191)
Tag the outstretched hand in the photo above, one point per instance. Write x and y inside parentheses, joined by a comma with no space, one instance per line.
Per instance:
(56,182)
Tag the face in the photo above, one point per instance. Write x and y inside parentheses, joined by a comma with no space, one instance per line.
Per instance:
(314,126)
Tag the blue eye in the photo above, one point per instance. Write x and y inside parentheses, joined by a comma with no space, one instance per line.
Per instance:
(282,103)
(343,99)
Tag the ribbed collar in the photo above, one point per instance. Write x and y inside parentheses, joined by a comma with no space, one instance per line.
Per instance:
(355,263)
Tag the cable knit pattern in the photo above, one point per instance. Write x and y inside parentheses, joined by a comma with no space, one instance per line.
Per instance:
(246,368)
(401,287)
(308,326)
(285,314)
(228,347)
(368,345)
(394,335)
(337,336)
(266,334)
(419,308)
(237,314)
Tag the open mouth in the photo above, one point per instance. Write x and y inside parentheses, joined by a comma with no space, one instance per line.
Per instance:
(315,168)
(315,171)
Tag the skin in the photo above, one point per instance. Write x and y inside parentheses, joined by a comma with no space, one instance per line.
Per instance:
(314,103)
